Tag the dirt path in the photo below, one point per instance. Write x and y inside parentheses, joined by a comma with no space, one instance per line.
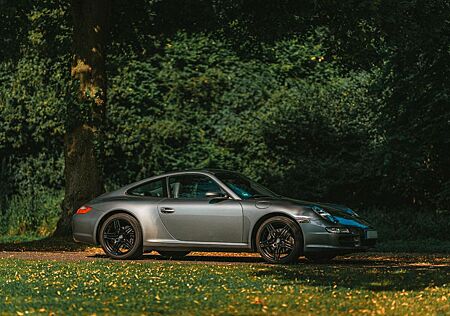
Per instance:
(367,259)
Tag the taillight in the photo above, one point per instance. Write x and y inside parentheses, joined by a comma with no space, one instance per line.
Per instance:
(84,209)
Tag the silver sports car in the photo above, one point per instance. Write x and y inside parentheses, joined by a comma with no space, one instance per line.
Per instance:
(217,210)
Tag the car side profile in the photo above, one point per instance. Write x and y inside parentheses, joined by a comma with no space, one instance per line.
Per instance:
(217,210)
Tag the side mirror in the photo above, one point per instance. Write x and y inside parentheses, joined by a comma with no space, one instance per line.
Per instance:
(216,195)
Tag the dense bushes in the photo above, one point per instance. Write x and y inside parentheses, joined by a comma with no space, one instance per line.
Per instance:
(320,105)
(32,211)
(238,114)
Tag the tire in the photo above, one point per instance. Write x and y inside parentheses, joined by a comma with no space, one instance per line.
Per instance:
(173,254)
(320,258)
(279,240)
(121,237)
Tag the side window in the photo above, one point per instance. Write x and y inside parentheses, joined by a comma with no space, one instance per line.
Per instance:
(153,188)
(192,186)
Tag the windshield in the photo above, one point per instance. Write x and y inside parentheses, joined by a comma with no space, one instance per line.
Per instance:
(243,187)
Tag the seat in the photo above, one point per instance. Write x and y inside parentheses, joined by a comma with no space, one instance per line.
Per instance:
(175,189)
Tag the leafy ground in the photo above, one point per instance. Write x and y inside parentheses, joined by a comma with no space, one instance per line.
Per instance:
(372,284)
(55,275)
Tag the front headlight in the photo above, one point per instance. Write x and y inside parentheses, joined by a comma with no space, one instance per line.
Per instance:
(324,214)
(338,230)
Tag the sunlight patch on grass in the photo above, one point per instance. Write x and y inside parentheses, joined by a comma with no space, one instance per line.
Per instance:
(185,288)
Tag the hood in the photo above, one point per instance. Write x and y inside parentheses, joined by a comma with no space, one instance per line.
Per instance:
(341,214)
(344,215)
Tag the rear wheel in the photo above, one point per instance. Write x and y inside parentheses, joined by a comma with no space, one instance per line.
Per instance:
(121,237)
(279,240)
(173,254)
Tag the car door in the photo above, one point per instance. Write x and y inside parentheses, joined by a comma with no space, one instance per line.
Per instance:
(189,215)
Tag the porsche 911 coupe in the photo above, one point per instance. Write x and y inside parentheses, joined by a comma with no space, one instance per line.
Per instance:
(217,210)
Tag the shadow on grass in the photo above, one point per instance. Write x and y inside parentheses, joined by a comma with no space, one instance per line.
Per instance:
(194,258)
(47,244)
(367,262)
(375,273)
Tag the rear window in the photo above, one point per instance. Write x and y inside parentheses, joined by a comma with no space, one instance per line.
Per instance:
(155,188)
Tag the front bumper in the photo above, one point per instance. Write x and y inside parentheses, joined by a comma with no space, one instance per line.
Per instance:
(317,239)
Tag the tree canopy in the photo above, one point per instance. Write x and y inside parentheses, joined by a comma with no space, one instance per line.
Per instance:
(345,101)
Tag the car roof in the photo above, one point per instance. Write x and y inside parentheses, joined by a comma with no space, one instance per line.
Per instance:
(210,171)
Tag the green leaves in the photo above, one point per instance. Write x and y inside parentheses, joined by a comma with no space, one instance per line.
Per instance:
(342,101)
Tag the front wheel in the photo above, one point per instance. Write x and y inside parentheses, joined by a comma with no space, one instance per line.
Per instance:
(121,237)
(279,240)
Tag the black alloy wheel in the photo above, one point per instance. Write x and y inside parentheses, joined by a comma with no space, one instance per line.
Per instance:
(121,237)
(279,240)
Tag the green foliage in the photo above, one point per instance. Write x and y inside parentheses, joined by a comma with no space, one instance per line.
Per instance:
(416,113)
(397,224)
(326,100)
(317,136)
(231,113)
(31,211)
(179,113)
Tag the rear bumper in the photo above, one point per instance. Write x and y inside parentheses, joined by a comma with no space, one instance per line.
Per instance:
(83,239)
(84,227)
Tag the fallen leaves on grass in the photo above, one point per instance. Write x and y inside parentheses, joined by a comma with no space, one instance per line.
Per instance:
(372,286)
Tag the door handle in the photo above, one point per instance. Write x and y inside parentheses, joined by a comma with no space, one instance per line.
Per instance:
(167,210)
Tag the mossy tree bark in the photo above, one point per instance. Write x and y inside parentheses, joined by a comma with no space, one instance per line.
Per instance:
(86,115)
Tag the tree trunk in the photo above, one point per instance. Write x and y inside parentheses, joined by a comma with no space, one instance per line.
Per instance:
(83,175)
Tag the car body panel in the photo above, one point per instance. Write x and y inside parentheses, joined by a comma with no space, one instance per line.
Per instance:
(219,224)
(203,220)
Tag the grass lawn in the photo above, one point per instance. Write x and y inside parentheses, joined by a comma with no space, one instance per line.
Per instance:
(376,286)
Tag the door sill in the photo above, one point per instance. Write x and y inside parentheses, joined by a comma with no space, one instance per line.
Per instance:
(193,244)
